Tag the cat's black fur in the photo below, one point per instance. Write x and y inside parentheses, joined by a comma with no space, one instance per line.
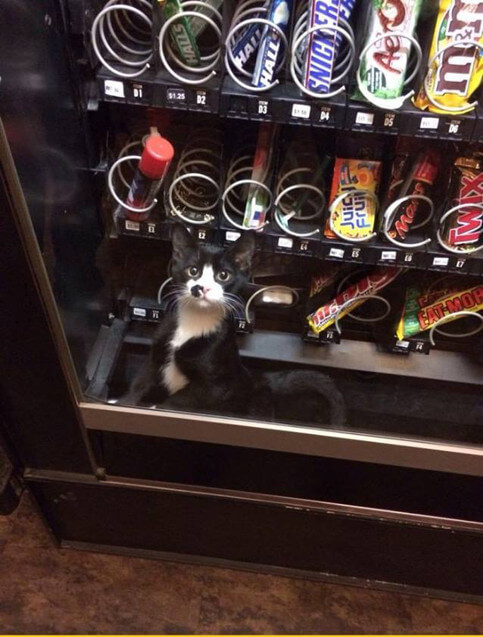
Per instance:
(218,380)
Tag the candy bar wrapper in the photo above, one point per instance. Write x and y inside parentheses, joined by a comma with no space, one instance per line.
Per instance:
(456,73)
(419,182)
(269,48)
(464,227)
(181,34)
(354,217)
(417,319)
(256,207)
(323,47)
(325,316)
(198,25)
(383,68)
(331,272)
(246,44)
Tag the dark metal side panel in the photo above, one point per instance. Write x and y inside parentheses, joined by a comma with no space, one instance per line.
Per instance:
(265,534)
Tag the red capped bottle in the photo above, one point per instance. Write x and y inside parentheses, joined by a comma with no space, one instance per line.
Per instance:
(148,178)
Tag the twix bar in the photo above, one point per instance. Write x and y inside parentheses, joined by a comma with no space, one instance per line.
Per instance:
(463,229)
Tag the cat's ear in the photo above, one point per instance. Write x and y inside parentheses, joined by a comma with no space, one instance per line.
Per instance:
(182,241)
(242,251)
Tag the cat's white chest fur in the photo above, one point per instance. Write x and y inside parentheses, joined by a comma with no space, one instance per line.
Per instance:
(192,323)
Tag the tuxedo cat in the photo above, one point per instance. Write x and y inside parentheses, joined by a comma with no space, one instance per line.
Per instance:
(194,362)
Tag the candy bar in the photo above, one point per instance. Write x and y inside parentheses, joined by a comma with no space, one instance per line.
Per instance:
(354,216)
(325,316)
(181,34)
(383,67)
(416,319)
(246,45)
(419,182)
(324,45)
(257,204)
(463,228)
(198,25)
(269,48)
(456,73)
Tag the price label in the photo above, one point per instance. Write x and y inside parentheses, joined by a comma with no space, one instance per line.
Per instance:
(232,236)
(366,119)
(285,242)
(338,253)
(302,111)
(176,95)
(132,225)
(403,344)
(429,123)
(262,107)
(440,261)
(139,311)
(388,255)
(114,88)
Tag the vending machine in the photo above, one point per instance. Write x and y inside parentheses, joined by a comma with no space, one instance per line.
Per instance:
(242,282)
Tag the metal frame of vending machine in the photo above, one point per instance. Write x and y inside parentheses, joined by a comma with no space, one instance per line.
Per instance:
(403,513)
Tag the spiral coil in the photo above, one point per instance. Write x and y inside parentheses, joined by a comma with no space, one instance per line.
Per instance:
(302,37)
(124,31)
(194,191)
(299,190)
(209,56)
(237,186)
(250,18)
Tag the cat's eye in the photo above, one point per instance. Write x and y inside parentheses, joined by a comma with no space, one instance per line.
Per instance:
(223,275)
(192,270)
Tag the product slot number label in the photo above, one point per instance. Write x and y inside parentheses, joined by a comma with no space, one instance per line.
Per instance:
(301,111)
(325,114)
(176,95)
(201,98)
(389,119)
(151,228)
(263,107)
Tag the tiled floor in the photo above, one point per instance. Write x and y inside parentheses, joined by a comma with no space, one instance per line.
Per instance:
(47,590)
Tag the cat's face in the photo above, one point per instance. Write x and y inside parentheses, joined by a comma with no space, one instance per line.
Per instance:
(210,276)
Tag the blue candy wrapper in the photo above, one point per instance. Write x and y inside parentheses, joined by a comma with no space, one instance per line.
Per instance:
(269,48)
(246,45)
(324,46)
